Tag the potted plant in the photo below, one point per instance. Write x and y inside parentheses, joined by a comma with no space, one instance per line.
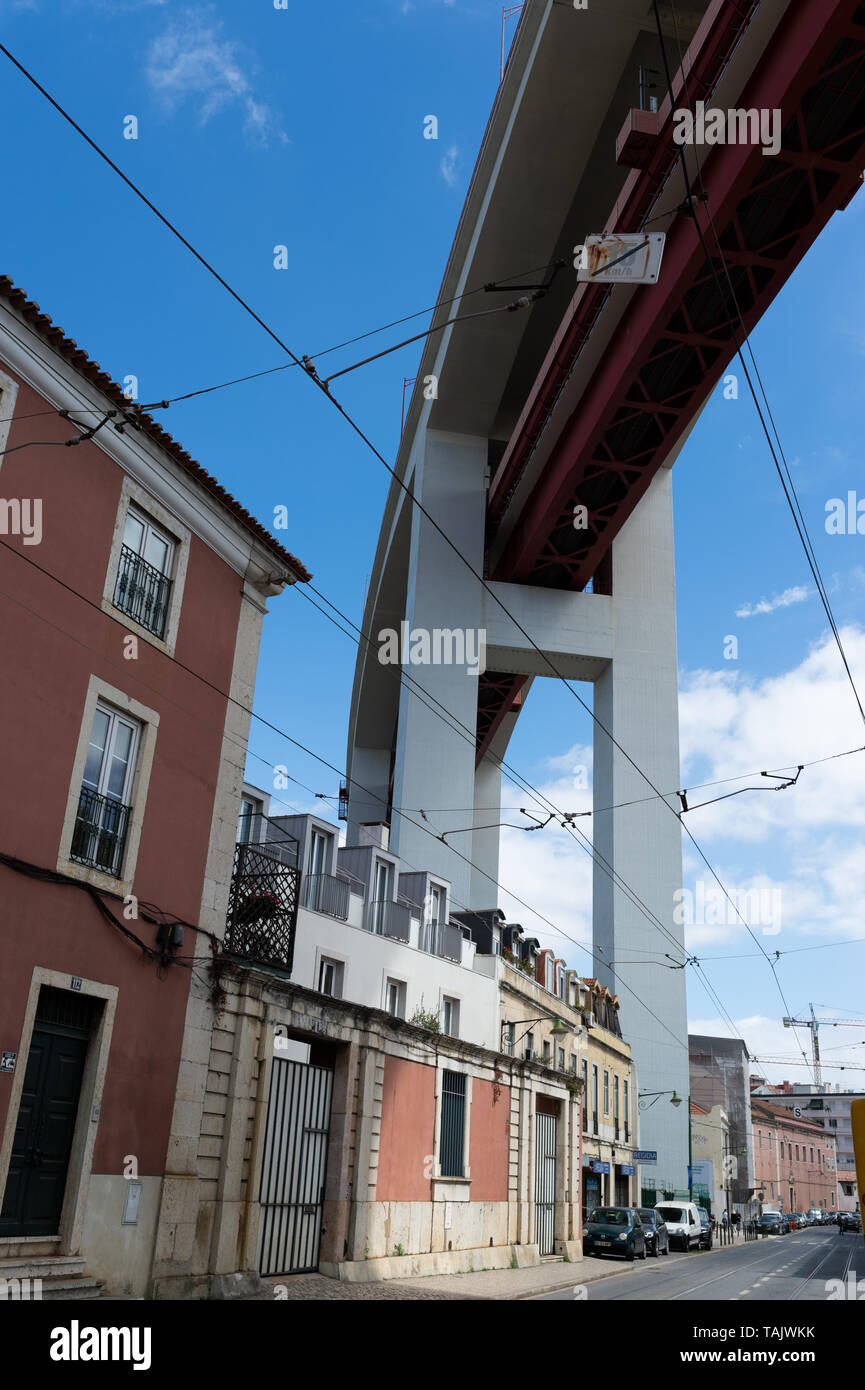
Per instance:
(258,907)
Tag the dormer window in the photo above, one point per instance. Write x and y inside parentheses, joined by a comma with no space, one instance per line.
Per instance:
(249,821)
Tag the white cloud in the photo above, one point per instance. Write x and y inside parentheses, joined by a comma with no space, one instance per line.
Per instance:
(191,60)
(799,853)
(798,594)
(448,166)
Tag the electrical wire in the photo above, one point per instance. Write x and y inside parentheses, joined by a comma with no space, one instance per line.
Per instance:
(163,403)
(317,757)
(543,801)
(735,338)
(360,433)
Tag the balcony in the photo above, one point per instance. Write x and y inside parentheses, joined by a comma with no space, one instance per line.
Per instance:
(324,893)
(99,836)
(142,591)
(262,904)
(442,939)
(388,918)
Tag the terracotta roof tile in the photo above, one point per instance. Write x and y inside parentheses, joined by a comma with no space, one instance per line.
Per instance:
(94,373)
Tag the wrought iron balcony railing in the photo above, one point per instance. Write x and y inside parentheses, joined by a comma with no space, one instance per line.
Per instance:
(323,893)
(142,591)
(387,918)
(265,888)
(99,836)
(442,939)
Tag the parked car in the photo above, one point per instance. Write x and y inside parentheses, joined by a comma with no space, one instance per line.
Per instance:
(614,1231)
(706,1223)
(772,1223)
(793,1220)
(849,1221)
(655,1230)
(684,1227)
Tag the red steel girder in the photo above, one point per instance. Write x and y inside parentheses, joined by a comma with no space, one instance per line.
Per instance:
(763,206)
(769,211)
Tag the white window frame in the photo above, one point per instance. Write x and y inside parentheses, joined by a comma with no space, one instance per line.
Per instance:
(151,526)
(257,806)
(401,995)
(319,837)
(100,692)
(438,894)
(135,498)
(452,1003)
(337,966)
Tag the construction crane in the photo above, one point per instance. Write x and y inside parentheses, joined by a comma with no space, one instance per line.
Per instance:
(814,1024)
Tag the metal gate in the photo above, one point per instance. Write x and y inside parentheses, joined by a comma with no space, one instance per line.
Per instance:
(295,1161)
(545,1183)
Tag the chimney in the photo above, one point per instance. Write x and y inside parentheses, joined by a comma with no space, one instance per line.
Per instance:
(374,833)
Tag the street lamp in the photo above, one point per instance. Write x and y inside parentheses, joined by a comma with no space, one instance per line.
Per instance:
(676,1100)
(558,1030)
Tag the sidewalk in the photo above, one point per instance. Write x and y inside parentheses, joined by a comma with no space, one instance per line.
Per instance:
(485,1284)
(547,1277)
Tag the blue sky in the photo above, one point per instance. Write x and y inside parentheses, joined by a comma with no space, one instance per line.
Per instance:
(304,128)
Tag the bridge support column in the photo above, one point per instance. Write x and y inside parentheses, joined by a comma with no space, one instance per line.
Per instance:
(434,764)
(636,700)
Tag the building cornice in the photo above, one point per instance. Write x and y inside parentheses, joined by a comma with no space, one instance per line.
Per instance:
(142,458)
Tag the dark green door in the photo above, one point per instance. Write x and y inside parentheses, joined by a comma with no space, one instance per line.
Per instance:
(33,1199)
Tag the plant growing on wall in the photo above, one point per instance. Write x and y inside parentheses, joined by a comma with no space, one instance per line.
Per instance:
(425,1018)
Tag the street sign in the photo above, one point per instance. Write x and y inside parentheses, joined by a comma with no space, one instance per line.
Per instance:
(620,258)
(645,1155)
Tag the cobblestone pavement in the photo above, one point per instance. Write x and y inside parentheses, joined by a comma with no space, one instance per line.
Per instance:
(316,1287)
(484,1284)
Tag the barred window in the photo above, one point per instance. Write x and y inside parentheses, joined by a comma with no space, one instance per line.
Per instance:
(452,1124)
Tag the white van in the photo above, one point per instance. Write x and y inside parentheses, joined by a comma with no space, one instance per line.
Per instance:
(682,1220)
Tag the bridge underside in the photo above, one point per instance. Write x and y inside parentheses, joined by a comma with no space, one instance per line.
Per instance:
(584,401)
(674,341)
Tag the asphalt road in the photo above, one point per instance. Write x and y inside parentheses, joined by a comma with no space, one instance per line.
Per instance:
(792,1268)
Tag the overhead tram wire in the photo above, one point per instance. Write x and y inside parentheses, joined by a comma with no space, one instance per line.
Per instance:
(544,802)
(517,778)
(733,333)
(791,495)
(274,728)
(368,442)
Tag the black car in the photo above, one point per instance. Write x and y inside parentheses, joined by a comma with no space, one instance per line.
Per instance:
(706,1223)
(772,1223)
(849,1221)
(614,1231)
(655,1229)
